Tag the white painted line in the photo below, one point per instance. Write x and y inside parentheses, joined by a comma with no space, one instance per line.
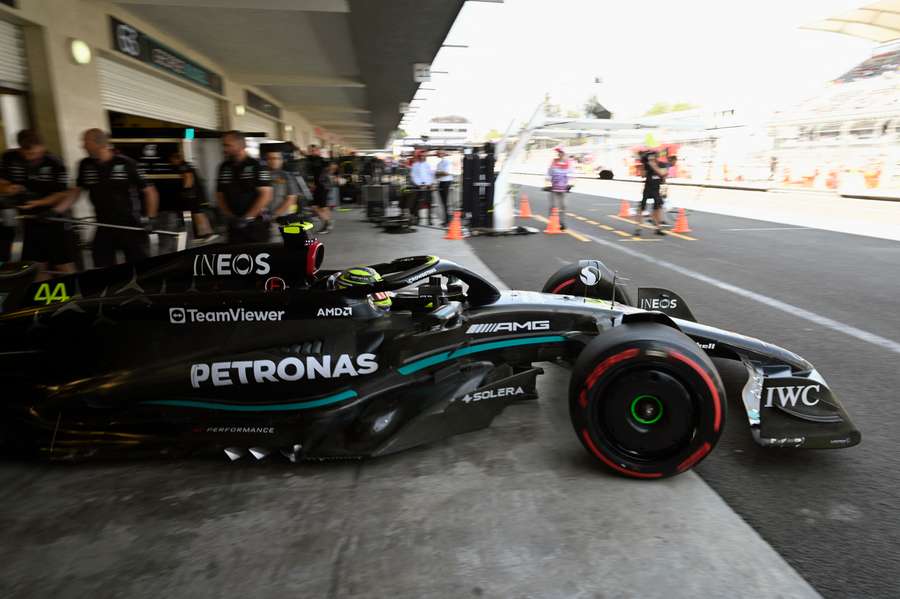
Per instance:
(773,229)
(791,309)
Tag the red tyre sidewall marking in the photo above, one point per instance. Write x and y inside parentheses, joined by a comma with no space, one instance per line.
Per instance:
(694,457)
(587,439)
(609,362)
(717,408)
(563,285)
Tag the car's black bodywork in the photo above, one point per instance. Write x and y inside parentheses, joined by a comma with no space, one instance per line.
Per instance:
(249,347)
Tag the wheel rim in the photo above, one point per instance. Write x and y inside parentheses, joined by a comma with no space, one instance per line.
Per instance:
(646,412)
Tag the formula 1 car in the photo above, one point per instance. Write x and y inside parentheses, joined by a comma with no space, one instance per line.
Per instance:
(253,349)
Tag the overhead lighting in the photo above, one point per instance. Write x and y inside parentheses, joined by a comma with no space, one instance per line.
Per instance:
(240,109)
(81,51)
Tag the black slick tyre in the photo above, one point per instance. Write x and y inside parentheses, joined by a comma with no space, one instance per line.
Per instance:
(646,401)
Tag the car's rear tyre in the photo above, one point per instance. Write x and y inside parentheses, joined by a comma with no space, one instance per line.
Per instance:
(646,401)
(568,280)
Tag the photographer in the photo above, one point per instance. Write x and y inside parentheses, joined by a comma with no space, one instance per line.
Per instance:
(655,171)
(36,182)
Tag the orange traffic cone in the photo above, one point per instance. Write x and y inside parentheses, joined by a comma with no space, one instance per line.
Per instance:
(553,223)
(681,224)
(625,209)
(455,230)
(524,207)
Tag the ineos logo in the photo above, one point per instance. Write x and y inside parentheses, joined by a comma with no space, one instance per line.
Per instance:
(223,265)
(659,304)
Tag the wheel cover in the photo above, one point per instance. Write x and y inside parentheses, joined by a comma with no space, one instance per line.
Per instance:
(646,412)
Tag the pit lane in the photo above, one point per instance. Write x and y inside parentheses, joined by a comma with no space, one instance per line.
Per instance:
(830,514)
(516,510)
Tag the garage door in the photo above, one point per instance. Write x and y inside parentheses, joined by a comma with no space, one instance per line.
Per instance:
(12,57)
(131,91)
(253,123)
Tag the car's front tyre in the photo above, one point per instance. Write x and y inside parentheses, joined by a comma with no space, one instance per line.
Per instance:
(645,401)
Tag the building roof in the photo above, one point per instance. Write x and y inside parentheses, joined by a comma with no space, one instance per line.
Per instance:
(877,21)
(345,65)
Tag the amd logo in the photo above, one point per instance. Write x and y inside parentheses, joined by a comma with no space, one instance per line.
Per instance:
(789,395)
(342,311)
(657,303)
(224,265)
(509,327)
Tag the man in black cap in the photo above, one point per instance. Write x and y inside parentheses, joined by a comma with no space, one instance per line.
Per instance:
(39,185)
(121,196)
(243,192)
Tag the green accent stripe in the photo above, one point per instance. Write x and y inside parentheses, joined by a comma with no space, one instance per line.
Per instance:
(279,407)
(474,349)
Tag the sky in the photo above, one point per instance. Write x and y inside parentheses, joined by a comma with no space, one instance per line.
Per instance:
(717,54)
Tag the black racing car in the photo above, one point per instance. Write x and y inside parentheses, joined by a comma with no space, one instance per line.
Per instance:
(255,349)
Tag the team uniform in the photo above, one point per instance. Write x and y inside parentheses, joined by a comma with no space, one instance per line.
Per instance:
(115,188)
(652,181)
(43,241)
(239,183)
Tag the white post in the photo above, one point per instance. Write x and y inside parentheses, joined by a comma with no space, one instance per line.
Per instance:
(504,201)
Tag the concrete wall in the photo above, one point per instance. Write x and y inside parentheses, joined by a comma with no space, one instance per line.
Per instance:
(65,97)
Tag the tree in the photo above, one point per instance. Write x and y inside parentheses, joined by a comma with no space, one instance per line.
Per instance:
(493,135)
(593,108)
(665,107)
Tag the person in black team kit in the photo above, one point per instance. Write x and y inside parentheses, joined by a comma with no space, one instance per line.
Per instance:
(39,184)
(243,192)
(654,177)
(117,189)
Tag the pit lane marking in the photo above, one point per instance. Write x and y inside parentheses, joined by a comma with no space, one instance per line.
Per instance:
(570,232)
(773,229)
(646,226)
(824,321)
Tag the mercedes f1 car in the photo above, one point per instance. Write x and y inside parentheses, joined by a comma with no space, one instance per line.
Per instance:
(253,349)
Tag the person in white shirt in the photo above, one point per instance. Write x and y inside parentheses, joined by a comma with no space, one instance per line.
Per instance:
(423,179)
(444,178)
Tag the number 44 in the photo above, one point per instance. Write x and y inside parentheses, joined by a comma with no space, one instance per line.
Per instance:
(59,293)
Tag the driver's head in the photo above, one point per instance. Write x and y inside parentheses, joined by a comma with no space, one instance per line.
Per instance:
(364,275)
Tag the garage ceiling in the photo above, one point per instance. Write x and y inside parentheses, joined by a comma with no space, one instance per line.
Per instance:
(347,63)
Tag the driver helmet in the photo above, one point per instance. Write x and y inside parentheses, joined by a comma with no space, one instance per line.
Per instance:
(364,275)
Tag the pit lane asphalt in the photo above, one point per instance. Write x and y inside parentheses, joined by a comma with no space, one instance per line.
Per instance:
(831,514)
(515,511)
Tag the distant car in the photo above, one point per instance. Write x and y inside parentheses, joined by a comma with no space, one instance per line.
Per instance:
(252,349)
